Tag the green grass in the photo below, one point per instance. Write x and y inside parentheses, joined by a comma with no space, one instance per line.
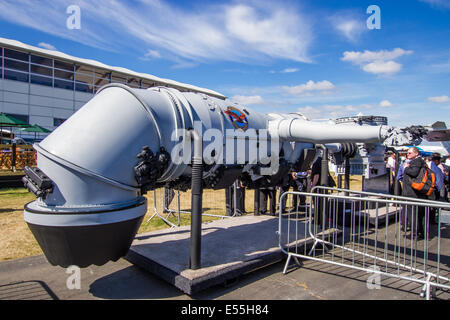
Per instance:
(16,240)
(14,193)
(11,173)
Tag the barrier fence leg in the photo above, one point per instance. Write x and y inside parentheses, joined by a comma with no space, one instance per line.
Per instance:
(286,266)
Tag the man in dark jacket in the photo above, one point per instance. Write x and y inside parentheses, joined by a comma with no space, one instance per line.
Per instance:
(411,171)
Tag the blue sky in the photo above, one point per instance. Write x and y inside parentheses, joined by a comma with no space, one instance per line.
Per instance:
(315,57)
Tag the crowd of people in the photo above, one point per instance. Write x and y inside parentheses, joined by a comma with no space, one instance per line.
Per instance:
(409,169)
(438,164)
(266,198)
(408,174)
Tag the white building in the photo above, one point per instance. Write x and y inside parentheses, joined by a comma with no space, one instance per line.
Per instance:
(46,87)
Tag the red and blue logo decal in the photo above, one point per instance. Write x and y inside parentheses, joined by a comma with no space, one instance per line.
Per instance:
(237,118)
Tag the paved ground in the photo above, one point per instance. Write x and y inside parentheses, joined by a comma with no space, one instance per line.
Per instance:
(34,278)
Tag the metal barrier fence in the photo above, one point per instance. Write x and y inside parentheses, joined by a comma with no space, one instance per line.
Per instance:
(168,203)
(375,233)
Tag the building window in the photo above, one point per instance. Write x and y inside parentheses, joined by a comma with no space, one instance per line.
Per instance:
(58,121)
(63,74)
(24,67)
(134,82)
(83,87)
(64,65)
(15,61)
(83,82)
(147,84)
(101,82)
(45,81)
(102,74)
(16,65)
(101,78)
(42,61)
(84,78)
(15,75)
(63,84)
(41,70)
(116,78)
(20,117)
(84,70)
(16,55)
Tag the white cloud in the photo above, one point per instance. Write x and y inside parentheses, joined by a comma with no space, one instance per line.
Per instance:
(309,87)
(152,54)
(339,108)
(382,67)
(47,46)
(441,67)
(333,111)
(370,56)
(440,99)
(310,112)
(348,25)
(437,3)
(346,108)
(385,104)
(377,62)
(336,111)
(247,100)
(286,70)
(350,29)
(290,70)
(254,32)
(184,65)
(274,31)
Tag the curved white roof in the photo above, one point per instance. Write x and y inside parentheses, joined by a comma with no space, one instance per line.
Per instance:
(14,44)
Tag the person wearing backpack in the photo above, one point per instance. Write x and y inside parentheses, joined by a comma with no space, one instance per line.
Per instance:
(418,182)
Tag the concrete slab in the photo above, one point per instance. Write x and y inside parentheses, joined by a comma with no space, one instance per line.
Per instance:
(230,247)
(380,215)
(445,216)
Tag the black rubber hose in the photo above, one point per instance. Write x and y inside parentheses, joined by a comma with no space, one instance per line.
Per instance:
(196,216)
(196,205)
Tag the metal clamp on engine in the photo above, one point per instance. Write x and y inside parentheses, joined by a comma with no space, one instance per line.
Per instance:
(37,182)
(150,168)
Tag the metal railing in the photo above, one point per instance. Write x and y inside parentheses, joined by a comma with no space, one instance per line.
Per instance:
(169,202)
(375,233)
